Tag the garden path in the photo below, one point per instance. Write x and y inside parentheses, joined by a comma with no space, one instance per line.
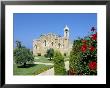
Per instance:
(67,65)
(43,63)
(48,72)
(51,71)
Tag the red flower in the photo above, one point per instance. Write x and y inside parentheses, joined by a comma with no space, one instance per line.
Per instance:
(83,48)
(92,65)
(92,48)
(94,36)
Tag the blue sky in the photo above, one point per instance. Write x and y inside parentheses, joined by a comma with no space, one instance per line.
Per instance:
(29,26)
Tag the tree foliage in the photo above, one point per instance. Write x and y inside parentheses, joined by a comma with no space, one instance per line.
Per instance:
(50,53)
(75,66)
(59,66)
(18,44)
(22,55)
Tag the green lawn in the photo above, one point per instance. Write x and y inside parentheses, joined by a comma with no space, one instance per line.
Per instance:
(36,68)
(33,70)
(43,59)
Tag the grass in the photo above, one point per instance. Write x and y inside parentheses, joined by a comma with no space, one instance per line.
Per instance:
(34,69)
(43,59)
(46,60)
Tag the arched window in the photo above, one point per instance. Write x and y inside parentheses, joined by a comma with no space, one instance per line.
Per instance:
(63,45)
(45,42)
(59,45)
(35,46)
(52,43)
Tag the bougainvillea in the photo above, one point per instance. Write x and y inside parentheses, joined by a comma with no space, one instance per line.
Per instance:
(83,57)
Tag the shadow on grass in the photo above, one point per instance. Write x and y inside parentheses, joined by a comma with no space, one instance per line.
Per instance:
(50,59)
(27,66)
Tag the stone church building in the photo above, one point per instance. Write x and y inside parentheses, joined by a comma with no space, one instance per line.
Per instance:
(50,40)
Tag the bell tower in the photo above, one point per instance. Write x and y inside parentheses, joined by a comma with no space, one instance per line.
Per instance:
(66,32)
(66,39)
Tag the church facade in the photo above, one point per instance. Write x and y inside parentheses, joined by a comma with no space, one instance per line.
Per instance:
(50,40)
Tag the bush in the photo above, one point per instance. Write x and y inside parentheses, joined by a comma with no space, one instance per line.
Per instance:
(45,55)
(65,54)
(50,53)
(75,66)
(83,57)
(59,66)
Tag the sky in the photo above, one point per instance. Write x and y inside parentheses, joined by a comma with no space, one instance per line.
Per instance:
(29,26)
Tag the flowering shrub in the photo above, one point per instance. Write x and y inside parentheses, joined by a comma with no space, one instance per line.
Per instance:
(83,57)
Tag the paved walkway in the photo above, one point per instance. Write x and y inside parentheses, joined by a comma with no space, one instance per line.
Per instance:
(48,72)
(67,65)
(43,63)
(51,71)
